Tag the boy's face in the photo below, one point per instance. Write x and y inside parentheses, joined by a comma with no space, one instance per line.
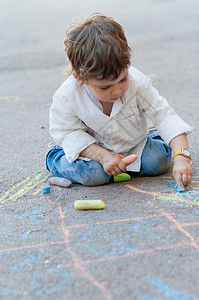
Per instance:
(109,90)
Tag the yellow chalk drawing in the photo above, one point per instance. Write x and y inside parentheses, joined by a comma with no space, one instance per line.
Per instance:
(13,188)
(37,192)
(25,186)
(10,98)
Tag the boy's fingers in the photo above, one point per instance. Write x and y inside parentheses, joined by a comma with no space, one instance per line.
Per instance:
(180,183)
(109,173)
(129,159)
(122,167)
(185,179)
(118,170)
(115,172)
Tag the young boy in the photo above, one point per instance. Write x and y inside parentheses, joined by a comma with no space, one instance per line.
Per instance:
(99,114)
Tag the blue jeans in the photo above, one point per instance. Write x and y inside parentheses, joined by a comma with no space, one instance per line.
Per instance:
(155,160)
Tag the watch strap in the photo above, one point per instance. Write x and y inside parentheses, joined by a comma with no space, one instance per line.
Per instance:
(180,152)
(176,153)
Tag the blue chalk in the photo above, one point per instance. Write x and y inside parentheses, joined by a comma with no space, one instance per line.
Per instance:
(178,189)
(46,189)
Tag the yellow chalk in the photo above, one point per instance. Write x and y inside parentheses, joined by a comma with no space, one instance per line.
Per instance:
(89,204)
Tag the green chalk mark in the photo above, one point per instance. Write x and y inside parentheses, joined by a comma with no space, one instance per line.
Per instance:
(32,230)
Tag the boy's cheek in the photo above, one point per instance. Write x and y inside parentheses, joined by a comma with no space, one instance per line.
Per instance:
(101,96)
(126,86)
(94,92)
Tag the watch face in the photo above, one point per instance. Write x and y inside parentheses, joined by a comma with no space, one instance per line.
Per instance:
(186,152)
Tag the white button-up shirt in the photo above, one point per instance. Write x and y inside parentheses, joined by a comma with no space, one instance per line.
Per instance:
(77,119)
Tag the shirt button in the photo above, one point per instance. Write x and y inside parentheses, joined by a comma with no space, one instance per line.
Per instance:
(131,119)
(115,142)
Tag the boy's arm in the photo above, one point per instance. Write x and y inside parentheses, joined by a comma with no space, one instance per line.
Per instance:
(182,171)
(67,129)
(111,162)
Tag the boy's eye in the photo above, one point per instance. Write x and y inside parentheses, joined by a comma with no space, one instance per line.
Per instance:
(104,88)
(107,87)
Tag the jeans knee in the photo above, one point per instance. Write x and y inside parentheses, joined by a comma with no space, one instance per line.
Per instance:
(93,181)
(95,175)
(156,163)
(164,164)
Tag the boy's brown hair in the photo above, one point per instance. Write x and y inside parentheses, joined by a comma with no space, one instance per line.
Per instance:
(97,48)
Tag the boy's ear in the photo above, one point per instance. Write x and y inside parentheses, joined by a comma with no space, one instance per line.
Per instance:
(76,76)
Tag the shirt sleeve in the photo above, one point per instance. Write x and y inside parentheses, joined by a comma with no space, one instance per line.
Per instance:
(67,129)
(163,116)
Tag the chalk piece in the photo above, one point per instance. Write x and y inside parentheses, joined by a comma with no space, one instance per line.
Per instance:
(121,177)
(89,204)
(129,159)
(178,189)
(63,182)
(46,189)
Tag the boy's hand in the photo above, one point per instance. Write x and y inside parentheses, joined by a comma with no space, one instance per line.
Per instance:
(112,163)
(182,171)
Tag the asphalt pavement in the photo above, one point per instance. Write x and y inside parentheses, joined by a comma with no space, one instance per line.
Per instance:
(144,244)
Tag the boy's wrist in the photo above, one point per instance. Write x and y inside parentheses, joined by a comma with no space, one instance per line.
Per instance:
(94,152)
(182,159)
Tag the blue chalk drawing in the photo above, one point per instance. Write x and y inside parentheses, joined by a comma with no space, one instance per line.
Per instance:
(11,252)
(190,216)
(166,188)
(176,186)
(5,224)
(138,231)
(12,291)
(40,284)
(167,291)
(11,234)
(120,245)
(121,249)
(34,216)
(38,289)
(25,235)
(147,297)
(31,258)
(187,216)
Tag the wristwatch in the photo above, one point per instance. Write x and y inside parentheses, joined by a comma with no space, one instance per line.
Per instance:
(183,151)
